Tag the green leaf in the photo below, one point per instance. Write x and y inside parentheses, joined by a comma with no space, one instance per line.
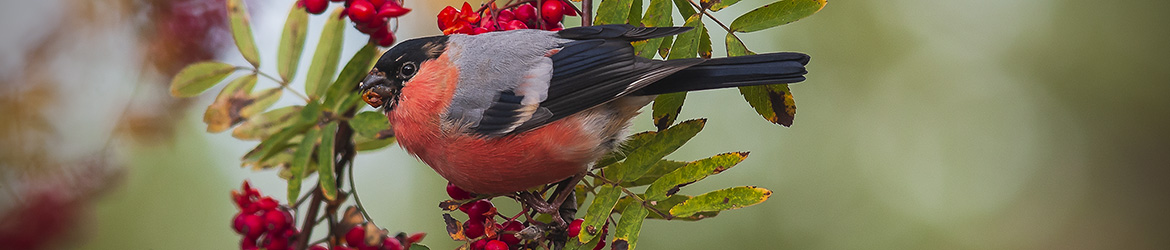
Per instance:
(351,76)
(635,13)
(279,141)
(776,14)
(369,123)
(664,48)
(657,15)
(242,32)
(720,4)
(656,171)
(774,102)
(263,100)
(695,171)
(724,199)
(301,159)
(684,7)
(266,124)
(325,162)
(632,142)
(705,44)
(625,235)
(362,143)
(326,57)
(687,43)
(666,108)
(417,246)
(292,43)
(642,158)
(674,200)
(613,12)
(225,110)
(198,77)
(598,212)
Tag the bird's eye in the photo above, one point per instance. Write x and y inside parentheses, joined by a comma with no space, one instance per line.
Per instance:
(407,71)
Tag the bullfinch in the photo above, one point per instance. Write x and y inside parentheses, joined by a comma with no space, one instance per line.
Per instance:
(503,112)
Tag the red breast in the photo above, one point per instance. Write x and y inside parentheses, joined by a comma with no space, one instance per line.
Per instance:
(485,165)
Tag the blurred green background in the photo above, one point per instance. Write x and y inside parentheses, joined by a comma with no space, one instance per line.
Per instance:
(923,125)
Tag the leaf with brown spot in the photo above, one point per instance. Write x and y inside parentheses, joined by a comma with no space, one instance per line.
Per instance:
(449,205)
(454,228)
(723,199)
(774,102)
(224,112)
(694,171)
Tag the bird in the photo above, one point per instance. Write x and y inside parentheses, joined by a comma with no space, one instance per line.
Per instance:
(504,112)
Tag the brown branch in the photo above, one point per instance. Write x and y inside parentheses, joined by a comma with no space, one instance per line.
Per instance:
(587,14)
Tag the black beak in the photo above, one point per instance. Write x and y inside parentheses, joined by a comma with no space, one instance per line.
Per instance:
(378,91)
(374,79)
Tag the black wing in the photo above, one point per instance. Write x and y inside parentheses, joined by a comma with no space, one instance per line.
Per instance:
(597,68)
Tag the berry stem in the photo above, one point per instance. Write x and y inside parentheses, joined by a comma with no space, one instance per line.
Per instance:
(635,196)
(356,200)
(282,84)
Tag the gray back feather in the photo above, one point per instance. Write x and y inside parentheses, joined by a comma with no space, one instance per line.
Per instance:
(492,63)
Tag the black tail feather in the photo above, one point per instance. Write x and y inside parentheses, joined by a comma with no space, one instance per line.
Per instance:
(762,69)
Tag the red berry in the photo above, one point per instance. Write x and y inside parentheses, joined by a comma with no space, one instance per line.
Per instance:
(318,247)
(356,237)
(253,226)
(505,16)
(271,242)
(316,6)
(600,245)
(278,219)
(339,247)
(569,9)
(391,243)
(496,245)
(525,12)
(361,11)
(246,244)
(238,223)
(478,30)
(378,2)
(457,193)
(267,203)
(479,244)
(575,227)
(468,14)
(447,17)
(479,209)
(392,9)
(473,229)
(510,230)
(515,25)
(552,11)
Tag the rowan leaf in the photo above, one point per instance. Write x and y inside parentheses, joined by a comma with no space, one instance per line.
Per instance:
(198,77)
(692,172)
(327,55)
(262,101)
(267,123)
(776,14)
(656,171)
(641,159)
(613,12)
(598,212)
(325,162)
(625,234)
(224,112)
(632,142)
(723,199)
(658,14)
(720,4)
(242,31)
(351,76)
(369,123)
(300,162)
(774,102)
(292,43)
(684,7)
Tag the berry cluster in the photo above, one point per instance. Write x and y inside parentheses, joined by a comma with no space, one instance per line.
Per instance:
(481,225)
(369,16)
(366,237)
(490,18)
(262,216)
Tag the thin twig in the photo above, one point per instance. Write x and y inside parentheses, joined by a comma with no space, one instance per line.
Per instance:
(587,13)
(282,84)
(635,196)
(708,14)
(356,200)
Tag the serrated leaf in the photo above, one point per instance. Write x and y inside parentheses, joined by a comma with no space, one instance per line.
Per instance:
(656,171)
(300,162)
(720,4)
(266,124)
(632,142)
(274,144)
(658,14)
(666,108)
(674,200)
(776,14)
(598,212)
(292,43)
(695,171)
(327,55)
(613,12)
(362,144)
(705,44)
(198,77)
(351,76)
(723,199)
(642,158)
(684,8)
(325,162)
(263,100)
(224,112)
(686,45)
(242,31)
(735,47)
(625,235)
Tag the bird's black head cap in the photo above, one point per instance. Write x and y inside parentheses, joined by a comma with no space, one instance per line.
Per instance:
(398,65)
